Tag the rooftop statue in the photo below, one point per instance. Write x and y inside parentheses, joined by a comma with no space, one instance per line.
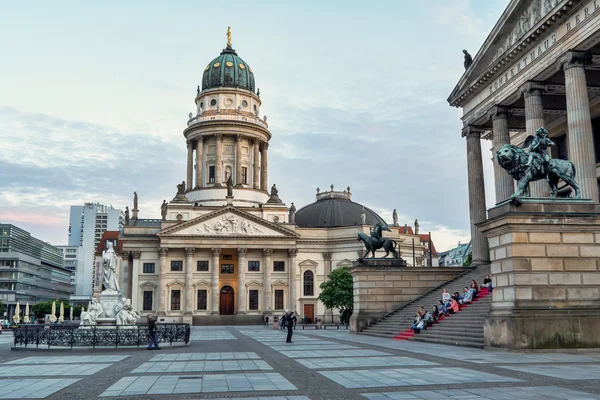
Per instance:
(395,217)
(126,215)
(526,167)
(163,210)
(229,186)
(377,241)
(181,188)
(135,201)
(363,217)
(292,214)
(416,226)
(468,59)
(274,191)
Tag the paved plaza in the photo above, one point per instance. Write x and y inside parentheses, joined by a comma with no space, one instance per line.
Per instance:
(251,363)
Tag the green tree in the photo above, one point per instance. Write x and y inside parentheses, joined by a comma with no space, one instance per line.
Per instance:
(469,260)
(337,293)
(42,309)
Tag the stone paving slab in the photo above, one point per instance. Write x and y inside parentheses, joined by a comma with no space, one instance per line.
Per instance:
(202,366)
(367,378)
(334,353)
(311,347)
(570,372)
(212,335)
(32,388)
(205,356)
(524,393)
(507,358)
(68,360)
(334,363)
(266,398)
(174,384)
(52,369)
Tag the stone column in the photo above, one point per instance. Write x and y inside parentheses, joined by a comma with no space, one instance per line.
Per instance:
(123,273)
(477,209)
(255,178)
(199,153)
(328,316)
(190,165)
(189,287)
(534,119)
(267,281)
(238,160)
(214,287)
(162,282)
(579,123)
(263,166)
(132,288)
(502,180)
(218,161)
(292,280)
(241,298)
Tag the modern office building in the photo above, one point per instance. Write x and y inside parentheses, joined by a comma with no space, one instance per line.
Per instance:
(73,260)
(31,271)
(86,226)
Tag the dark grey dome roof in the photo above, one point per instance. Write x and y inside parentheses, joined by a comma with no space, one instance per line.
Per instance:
(333,213)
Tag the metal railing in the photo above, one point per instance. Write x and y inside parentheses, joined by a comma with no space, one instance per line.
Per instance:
(58,335)
(230,117)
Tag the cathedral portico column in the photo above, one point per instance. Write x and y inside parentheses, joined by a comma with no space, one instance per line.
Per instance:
(579,123)
(477,210)
(502,181)
(255,178)
(189,288)
(267,280)
(263,166)
(162,281)
(292,278)
(214,286)
(241,291)
(534,119)
(134,270)
(238,160)
(190,165)
(199,151)
(218,160)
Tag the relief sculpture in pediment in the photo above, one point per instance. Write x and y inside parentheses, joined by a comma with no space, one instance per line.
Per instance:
(229,224)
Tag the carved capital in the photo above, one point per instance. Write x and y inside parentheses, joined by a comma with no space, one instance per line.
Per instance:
(189,251)
(471,131)
(532,89)
(264,146)
(125,255)
(267,252)
(190,145)
(242,252)
(574,59)
(163,251)
(498,112)
(292,252)
(238,138)
(327,256)
(219,136)
(136,255)
(216,252)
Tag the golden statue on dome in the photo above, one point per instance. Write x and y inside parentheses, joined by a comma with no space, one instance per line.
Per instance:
(228,36)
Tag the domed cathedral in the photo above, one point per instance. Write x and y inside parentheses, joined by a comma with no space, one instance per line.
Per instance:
(228,249)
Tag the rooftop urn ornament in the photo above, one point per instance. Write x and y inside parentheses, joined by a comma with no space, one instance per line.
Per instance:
(229,186)
(395,217)
(258,92)
(318,190)
(376,241)
(228,36)
(363,216)
(535,165)
(198,90)
(292,216)
(126,215)
(190,115)
(416,226)
(163,210)
(468,59)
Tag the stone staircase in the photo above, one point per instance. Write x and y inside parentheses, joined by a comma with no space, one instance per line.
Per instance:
(464,328)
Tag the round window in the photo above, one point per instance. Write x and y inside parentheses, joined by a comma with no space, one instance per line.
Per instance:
(213,102)
(229,64)
(228,101)
(244,103)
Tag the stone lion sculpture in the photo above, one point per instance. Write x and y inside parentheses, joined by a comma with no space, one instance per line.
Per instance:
(514,160)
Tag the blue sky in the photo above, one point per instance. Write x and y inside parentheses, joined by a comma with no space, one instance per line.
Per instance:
(94,97)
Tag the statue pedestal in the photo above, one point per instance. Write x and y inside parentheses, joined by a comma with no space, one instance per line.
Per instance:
(103,321)
(544,263)
(229,200)
(108,300)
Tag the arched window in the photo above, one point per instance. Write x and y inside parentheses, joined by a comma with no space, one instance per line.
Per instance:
(309,284)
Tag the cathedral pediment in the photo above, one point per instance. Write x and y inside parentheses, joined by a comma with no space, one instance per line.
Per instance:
(228,222)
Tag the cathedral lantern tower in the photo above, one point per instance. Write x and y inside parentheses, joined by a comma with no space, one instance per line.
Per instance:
(227,137)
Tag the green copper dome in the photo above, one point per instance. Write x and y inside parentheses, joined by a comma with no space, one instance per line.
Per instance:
(228,70)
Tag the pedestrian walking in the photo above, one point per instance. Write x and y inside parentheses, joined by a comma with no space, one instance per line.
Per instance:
(283,321)
(152,333)
(266,321)
(290,326)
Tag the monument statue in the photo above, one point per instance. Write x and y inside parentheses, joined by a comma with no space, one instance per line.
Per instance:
(363,217)
(468,59)
(90,316)
(377,241)
(126,215)
(416,226)
(163,210)
(135,201)
(292,216)
(228,36)
(395,217)
(124,313)
(109,269)
(181,188)
(230,186)
(274,191)
(535,165)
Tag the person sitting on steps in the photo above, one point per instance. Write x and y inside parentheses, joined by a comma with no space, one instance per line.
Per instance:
(467,296)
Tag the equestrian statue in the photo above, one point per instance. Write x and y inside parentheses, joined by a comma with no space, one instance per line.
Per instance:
(377,241)
(535,165)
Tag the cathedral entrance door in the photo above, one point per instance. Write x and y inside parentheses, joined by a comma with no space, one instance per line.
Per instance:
(309,313)
(226,305)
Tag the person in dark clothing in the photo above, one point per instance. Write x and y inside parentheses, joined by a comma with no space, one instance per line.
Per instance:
(294,320)
(152,333)
(283,321)
(290,326)
(267,321)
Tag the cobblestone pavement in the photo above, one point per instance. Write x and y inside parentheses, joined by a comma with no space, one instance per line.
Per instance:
(252,363)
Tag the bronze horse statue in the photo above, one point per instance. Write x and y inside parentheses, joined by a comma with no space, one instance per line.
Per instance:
(373,244)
